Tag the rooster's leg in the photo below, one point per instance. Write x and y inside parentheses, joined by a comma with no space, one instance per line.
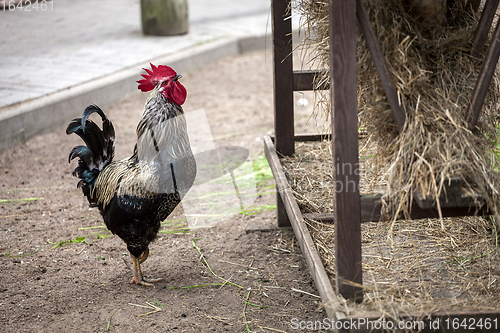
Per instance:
(142,259)
(144,256)
(136,270)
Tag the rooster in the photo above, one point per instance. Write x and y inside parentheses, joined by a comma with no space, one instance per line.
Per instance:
(136,194)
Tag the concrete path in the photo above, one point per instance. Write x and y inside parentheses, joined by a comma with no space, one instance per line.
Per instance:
(72,42)
(55,61)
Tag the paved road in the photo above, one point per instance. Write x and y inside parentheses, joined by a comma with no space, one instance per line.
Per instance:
(72,42)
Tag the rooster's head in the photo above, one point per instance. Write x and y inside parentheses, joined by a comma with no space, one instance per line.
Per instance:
(166,80)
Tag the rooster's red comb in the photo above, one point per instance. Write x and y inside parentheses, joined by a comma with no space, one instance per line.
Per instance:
(156,74)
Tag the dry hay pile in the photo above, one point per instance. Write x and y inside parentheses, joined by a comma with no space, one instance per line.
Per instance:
(423,268)
(434,75)
(309,173)
(432,264)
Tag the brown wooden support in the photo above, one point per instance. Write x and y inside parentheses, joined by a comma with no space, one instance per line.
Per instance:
(475,5)
(452,195)
(345,148)
(282,215)
(311,137)
(484,26)
(325,289)
(371,207)
(484,79)
(451,321)
(304,80)
(350,209)
(283,77)
(380,65)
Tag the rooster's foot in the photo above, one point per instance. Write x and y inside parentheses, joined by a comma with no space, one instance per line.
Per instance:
(138,278)
(144,282)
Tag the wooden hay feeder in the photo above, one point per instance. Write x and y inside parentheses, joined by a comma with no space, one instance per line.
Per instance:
(351,208)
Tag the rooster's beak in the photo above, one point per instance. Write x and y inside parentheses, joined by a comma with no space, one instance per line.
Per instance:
(177,77)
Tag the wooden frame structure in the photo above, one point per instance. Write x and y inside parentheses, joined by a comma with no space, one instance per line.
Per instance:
(351,208)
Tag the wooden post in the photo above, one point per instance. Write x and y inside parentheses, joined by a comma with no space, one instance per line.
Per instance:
(484,79)
(378,59)
(283,219)
(345,147)
(484,26)
(475,5)
(283,77)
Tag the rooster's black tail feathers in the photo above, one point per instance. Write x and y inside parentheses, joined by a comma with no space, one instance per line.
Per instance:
(99,150)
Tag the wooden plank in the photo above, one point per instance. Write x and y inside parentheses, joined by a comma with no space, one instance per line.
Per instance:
(484,26)
(325,289)
(283,220)
(371,207)
(342,31)
(380,65)
(451,196)
(485,75)
(282,215)
(283,77)
(370,210)
(306,137)
(475,5)
(419,213)
(304,80)
(432,322)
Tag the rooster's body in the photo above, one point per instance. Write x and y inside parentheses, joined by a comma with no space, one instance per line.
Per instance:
(136,194)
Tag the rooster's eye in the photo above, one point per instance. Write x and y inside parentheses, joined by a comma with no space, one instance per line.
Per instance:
(164,83)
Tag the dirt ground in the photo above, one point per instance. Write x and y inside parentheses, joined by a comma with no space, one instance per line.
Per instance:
(83,285)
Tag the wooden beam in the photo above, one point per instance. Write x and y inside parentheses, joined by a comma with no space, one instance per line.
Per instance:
(484,79)
(370,210)
(282,215)
(380,65)
(283,77)
(430,322)
(303,80)
(451,196)
(345,147)
(371,207)
(475,4)
(321,279)
(306,137)
(484,26)
(311,137)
